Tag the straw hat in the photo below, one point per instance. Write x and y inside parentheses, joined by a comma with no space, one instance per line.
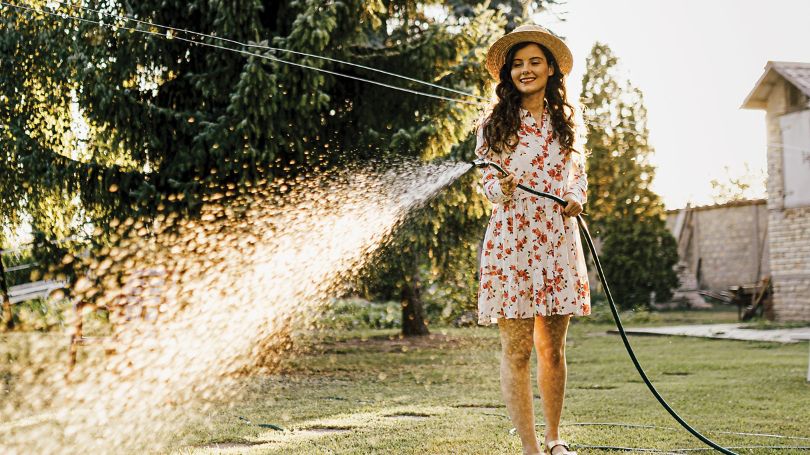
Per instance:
(535,34)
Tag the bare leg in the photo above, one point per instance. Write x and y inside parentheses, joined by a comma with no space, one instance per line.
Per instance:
(549,340)
(516,351)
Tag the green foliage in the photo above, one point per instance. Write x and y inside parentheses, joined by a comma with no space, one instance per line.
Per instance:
(638,252)
(15,258)
(41,314)
(515,12)
(452,291)
(351,314)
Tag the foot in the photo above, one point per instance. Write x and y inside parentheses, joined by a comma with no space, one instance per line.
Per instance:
(536,450)
(559,447)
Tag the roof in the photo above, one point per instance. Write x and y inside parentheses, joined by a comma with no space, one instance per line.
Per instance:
(796,73)
(724,205)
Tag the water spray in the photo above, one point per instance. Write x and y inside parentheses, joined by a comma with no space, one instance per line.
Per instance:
(583,229)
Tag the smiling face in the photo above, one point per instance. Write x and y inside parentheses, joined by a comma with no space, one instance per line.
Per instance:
(530,70)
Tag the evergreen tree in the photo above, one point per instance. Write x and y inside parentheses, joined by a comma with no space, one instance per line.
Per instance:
(168,121)
(638,252)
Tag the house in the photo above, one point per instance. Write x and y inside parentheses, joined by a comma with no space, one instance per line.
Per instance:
(783,92)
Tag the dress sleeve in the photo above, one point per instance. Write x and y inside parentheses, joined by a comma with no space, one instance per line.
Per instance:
(578,179)
(489,181)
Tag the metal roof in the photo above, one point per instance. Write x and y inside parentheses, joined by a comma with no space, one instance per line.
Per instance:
(797,73)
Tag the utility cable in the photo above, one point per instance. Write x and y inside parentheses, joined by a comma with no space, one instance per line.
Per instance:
(270,48)
(241,51)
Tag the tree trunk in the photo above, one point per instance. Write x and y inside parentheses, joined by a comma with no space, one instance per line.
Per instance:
(413,313)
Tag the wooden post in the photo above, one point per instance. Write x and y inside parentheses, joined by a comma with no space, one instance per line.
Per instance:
(75,338)
(8,316)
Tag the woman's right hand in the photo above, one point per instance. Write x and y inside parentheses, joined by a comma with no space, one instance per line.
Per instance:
(508,184)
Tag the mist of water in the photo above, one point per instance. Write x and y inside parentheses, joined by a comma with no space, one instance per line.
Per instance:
(195,303)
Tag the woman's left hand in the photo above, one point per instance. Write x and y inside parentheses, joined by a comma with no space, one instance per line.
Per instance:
(573,208)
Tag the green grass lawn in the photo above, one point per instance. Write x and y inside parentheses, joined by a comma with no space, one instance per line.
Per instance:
(360,392)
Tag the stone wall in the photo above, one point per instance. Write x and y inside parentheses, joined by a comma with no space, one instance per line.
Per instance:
(724,245)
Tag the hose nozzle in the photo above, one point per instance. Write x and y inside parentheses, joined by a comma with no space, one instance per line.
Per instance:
(482,163)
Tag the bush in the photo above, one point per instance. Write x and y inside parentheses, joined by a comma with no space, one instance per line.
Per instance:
(357,313)
(447,302)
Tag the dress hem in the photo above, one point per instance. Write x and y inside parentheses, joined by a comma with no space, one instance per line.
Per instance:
(482,320)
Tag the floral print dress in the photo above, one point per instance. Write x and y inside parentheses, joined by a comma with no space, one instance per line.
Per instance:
(532,263)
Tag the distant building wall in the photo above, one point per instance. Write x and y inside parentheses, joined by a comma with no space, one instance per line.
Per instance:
(724,245)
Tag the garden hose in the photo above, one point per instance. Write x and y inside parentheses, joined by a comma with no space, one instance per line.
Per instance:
(481,163)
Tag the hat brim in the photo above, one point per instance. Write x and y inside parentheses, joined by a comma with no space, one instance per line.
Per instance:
(497,52)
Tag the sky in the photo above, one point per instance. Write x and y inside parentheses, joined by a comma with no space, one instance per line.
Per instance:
(695,62)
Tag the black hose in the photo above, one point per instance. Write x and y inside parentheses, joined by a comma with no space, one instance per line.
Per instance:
(583,228)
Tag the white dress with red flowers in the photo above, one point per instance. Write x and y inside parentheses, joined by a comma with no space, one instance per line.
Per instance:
(532,262)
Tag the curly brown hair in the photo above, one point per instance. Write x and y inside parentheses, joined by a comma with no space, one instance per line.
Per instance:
(501,127)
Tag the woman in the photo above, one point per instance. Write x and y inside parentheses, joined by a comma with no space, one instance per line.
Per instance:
(533,275)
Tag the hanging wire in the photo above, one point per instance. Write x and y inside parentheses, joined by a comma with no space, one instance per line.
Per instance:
(259,46)
(270,48)
(241,51)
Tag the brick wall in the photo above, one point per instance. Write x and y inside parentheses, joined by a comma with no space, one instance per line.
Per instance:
(790,260)
(789,238)
(727,243)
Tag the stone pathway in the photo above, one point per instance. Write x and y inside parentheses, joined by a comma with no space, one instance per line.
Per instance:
(725,331)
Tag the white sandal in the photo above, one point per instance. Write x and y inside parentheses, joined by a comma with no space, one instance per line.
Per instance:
(559,442)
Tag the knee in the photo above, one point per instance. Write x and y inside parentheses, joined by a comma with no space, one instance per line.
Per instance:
(552,355)
(517,356)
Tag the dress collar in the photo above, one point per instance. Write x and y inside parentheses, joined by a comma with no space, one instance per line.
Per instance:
(526,111)
(526,114)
